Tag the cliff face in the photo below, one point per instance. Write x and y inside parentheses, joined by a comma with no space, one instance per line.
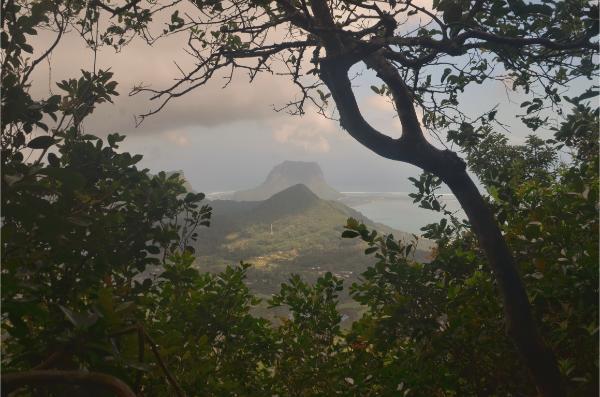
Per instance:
(286,174)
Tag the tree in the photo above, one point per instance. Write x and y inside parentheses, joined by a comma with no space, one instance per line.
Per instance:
(82,231)
(536,46)
(441,322)
(82,227)
(216,346)
(307,360)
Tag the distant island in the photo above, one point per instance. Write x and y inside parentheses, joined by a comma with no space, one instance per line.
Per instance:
(287,174)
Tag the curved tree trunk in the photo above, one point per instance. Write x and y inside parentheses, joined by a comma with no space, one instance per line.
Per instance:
(413,148)
(520,324)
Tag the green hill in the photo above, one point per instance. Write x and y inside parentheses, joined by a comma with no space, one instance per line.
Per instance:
(294,231)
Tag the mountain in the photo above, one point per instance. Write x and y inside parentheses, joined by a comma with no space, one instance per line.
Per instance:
(286,174)
(293,200)
(293,231)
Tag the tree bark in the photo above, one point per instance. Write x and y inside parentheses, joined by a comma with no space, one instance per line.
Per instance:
(413,148)
(520,323)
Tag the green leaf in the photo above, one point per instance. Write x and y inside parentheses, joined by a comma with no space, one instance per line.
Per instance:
(352,223)
(152,249)
(447,71)
(68,177)
(41,142)
(539,9)
(53,160)
(349,234)
(370,250)
(80,320)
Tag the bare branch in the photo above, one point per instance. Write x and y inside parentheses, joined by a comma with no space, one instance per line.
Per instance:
(118,10)
(61,29)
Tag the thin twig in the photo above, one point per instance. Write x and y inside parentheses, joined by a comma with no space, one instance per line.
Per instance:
(169,376)
(61,29)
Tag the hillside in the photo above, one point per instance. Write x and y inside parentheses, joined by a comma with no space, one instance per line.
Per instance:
(287,174)
(294,219)
(294,231)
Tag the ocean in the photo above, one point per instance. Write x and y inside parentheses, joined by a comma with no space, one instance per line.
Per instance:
(397,210)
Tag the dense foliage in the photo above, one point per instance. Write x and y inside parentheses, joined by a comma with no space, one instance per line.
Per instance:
(82,229)
(96,276)
(443,318)
(99,277)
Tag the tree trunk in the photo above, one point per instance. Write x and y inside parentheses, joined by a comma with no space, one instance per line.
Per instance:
(413,148)
(520,324)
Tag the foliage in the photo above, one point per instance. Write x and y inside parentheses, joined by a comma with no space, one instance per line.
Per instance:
(307,345)
(440,321)
(94,300)
(98,273)
(82,226)
(202,321)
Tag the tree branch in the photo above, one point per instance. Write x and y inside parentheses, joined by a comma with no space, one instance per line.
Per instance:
(178,390)
(335,75)
(118,10)
(403,99)
(520,42)
(61,29)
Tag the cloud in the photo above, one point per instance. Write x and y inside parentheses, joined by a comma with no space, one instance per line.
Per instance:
(379,103)
(312,132)
(178,138)
(308,142)
(209,106)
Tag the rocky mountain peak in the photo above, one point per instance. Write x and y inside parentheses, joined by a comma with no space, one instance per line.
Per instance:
(287,174)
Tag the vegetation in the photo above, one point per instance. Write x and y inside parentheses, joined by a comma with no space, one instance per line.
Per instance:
(292,232)
(99,291)
(442,318)
(538,47)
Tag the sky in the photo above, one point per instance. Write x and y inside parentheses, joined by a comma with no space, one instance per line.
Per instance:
(227,139)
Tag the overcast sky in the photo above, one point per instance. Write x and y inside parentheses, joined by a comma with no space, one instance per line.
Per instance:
(229,139)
